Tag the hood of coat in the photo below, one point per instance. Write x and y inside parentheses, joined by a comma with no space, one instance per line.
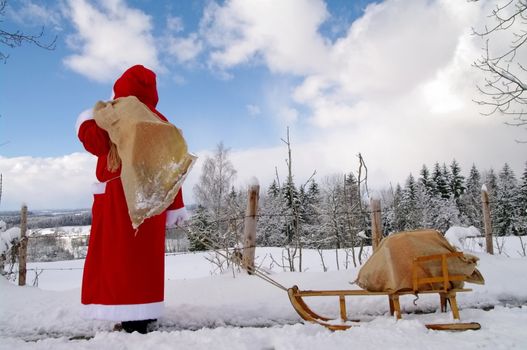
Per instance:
(140,82)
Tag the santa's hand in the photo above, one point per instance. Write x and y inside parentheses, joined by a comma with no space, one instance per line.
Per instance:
(176,218)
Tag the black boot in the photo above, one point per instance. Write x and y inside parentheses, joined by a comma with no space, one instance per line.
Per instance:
(140,326)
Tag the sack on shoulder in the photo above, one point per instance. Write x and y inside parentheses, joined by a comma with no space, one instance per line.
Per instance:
(154,155)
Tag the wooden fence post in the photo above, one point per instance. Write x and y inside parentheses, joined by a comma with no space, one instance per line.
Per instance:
(249,230)
(486,219)
(22,250)
(376,228)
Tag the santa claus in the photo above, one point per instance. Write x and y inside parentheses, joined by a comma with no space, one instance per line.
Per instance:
(123,276)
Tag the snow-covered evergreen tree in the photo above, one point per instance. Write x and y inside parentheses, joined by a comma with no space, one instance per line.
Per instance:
(490,180)
(409,205)
(522,203)
(354,206)
(273,189)
(457,181)
(310,201)
(506,210)
(445,213)
(387,213)
(235,212)
(395,216)
(441,185)
(471,207)
(199,229)
(423,202)
(447,176)
(271,220)
(426,180)
(291,213)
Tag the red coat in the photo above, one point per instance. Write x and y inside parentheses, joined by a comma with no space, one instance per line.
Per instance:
(123,276)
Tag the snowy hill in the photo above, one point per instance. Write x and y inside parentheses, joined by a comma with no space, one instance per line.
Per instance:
(237,311)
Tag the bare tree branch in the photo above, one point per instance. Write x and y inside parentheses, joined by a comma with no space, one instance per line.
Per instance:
(504,90)
(17,38)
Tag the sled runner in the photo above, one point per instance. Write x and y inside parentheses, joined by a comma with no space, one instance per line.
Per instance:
(441,284)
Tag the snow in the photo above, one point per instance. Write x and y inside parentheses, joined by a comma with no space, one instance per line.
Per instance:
(64,230)
(206,310)
(456,235)
(7,238)
(253,182)
(362,235)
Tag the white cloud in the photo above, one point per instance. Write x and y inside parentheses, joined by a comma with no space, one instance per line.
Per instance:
(109,38)
(46,183)
(175,24)
(35,14)
(288,114)
(397,86)
(253,110)
(179,79)
(394,46)
(283,34)
(184,49)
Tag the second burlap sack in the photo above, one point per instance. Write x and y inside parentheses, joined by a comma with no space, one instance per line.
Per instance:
(389,269)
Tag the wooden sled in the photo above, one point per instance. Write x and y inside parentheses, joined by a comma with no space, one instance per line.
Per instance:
(447,295)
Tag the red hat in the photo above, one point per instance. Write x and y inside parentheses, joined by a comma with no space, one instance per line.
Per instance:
(140,82)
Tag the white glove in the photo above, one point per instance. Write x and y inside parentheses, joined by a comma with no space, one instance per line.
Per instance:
(176,217)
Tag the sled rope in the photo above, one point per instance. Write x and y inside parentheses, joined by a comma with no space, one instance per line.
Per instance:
(252,270)
(257,272)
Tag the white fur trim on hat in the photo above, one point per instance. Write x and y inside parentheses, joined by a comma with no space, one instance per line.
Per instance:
(84,116)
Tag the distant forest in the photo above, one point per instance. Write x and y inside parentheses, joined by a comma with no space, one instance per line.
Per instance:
(48,219)
(334,212)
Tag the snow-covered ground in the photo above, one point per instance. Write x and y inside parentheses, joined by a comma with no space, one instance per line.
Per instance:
(210,310)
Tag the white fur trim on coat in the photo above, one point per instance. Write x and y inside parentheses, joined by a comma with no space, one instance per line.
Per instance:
(176,217)
(132,312)
(98,187)
(84,116)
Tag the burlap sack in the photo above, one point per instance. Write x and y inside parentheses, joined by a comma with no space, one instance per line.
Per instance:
(389,269)
(154,155)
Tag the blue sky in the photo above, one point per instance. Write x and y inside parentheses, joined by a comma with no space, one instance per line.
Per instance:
(41,96)
(389,79)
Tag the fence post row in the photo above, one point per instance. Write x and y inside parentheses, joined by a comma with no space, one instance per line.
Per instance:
(249,240)
(249,231)
(22,250)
